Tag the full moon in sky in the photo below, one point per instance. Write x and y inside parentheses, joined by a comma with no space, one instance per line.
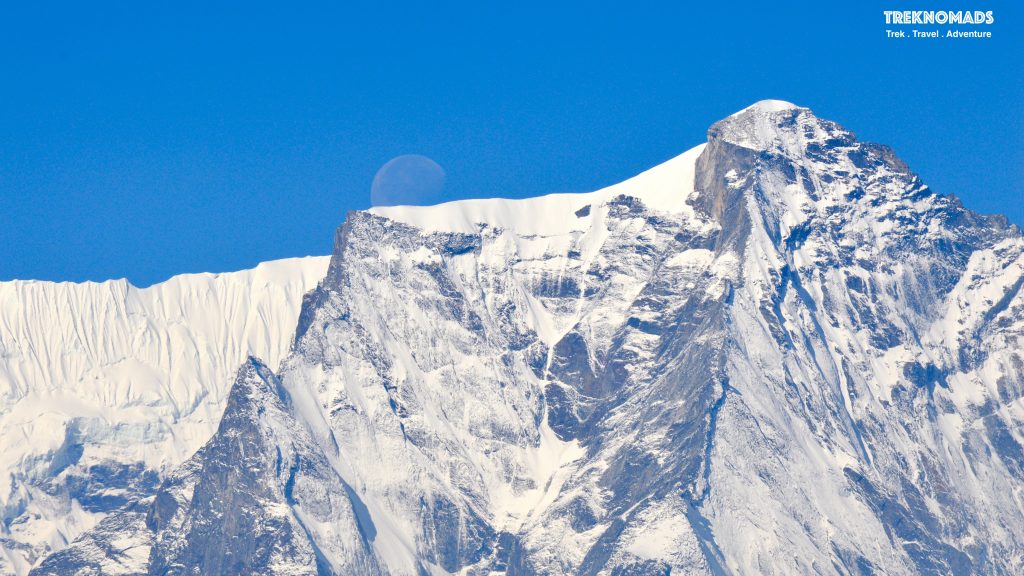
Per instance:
(410,179)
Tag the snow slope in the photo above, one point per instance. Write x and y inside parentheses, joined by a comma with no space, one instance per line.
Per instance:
(105,387)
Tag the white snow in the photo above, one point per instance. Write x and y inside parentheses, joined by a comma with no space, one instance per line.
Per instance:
(664,188)
(768,106)
(141,374)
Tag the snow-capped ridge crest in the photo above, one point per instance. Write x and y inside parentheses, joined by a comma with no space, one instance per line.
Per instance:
(663,188)
(767,125)
(774,126)
(768,107)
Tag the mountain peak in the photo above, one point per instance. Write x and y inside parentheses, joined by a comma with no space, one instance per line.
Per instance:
(778,127)
(768,107)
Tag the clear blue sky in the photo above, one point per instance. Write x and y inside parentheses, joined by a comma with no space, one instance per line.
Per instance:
(145,141)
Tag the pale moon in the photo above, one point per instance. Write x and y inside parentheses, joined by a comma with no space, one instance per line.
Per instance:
(410,179)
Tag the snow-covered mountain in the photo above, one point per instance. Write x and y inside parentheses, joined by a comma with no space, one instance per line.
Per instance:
(105,387)
(777,353)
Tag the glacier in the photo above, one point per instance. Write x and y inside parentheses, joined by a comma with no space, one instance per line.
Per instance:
(105,387)
(779,352)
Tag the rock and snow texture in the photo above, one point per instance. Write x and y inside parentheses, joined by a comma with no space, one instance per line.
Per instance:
(777,353)
(288,511)
(105,387)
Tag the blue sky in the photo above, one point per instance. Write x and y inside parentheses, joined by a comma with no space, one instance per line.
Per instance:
(145,141)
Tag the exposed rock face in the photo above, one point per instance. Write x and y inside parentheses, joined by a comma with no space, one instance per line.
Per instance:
(777,353)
